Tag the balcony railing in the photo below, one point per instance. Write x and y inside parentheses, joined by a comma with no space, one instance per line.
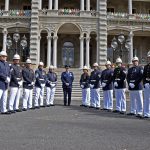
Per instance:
(26,13)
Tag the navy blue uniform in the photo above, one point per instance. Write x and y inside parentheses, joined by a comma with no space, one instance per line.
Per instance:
(40,76)
(84,80)
(146,74)
(134,76)
(107,77)
(67,80)
(28,77)
(119,77)
(16,75)
(95,78)
(4,73)
(51,78)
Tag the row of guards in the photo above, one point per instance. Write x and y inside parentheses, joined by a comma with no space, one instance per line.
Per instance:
(15,77)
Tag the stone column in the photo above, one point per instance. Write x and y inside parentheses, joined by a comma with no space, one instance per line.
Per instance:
(49,52)
(96,49)
(40,4)
(55,51)
(6,5)
(5,32)
(130,7)
(88,52)
(50,4)
(39,49)
(82,5)
(131,47)
(87,5)
(81,52)
(56,5)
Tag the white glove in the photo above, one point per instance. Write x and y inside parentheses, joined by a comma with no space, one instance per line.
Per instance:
(91,86)
(20,83)
(42,85)
(82,86)
(147,86)
(115,84)
(103,84)
(52,85)
(67,84)
(7,79)
(131,85)
(32,83)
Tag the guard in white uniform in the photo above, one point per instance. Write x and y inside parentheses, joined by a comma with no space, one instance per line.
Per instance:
(51,82)
(84,84)
(15,85)
(146,82)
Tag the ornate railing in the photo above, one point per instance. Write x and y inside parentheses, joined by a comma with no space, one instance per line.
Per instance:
(73,12)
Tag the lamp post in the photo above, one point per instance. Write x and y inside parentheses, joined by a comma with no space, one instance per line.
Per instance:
(120,44)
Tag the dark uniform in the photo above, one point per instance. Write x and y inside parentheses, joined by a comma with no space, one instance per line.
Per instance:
(67,80)
(134,78)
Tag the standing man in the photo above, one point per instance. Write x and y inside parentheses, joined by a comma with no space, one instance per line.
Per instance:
(134,78)
(28,82)
(67,78)
(95,87)
(107,84)
(51,82)
(15,85)
(146,82)
(40,80)
(119,79)
(84,84)
(4,81)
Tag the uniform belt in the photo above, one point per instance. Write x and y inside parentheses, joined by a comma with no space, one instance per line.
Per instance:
(18,78)
(41,79)
(105,80)
(147,79)
(83,82)
(117,79)
(132,81)
(93,80)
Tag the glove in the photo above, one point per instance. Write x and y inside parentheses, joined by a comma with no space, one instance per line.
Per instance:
(91,86)
(115,84)
(147,86)
(103,84)
(52,85)
(67,84)
(42,85)
(32,83)
(20,83)
(7,79)
(82,86)
(131,85)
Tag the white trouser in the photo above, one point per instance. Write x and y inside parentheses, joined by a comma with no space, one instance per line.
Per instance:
(147,102)
(120,99)
(108,99)
(95,97)
(27,98)
(14,98)
(3,100)
(39,94)
(136,102)
(50,93)
(86,96)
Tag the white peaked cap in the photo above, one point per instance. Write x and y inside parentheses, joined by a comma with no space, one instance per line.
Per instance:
(28,61)
(16,56)
(108,63)
(3,53)
(135,59)
(118,60)
(41,63)
(85,68)
(148,54)
(95,65)
(51,67)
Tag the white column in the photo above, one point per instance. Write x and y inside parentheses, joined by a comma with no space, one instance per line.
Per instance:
(82,5)
(39,48)
(96,49)
(49,52)
(6,5)
(87,5)
(55,51)
(56,5)
(50,3)
(97,5)
(130,6)
(88,52)
(40,4)
(131,47)
(81,52)
(4,39)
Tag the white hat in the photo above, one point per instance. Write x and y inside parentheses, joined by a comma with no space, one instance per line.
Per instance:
(135,59)
(16,56)
(108,63)
(3,53)
(28,61)
(85,68)
(118,60)
(148,54)
(41,64)
(51,67)
(95,65)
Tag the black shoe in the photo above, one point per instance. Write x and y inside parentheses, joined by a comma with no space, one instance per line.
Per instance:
(104,109)
(12,111)
(131,114)
(82,105)
(139,116)
(109,110)
(85,106)
(116,111)
(122,112)
(146,117)
(52,105)
(91,107)
(6,113)
(18,110)
(24,109)
(97,108)
(47,105)
(42,106)
(32,108)
(37,107)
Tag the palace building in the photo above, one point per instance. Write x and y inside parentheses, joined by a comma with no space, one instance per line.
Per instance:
(76,32)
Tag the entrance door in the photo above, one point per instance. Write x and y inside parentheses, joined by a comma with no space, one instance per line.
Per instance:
(68,54)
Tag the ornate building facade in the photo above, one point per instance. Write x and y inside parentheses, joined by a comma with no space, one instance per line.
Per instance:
(77,32)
